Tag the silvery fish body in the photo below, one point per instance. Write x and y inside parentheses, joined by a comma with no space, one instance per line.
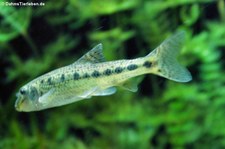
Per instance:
(91,76)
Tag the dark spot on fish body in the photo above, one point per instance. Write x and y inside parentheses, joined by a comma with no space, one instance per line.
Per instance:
(76,76)
(118,69)
(95,74)
(33,93)
(62,78)
(86,75)
(147,64)
(107,72)
(132,67)
(41,93)
(50,81)
(42,81)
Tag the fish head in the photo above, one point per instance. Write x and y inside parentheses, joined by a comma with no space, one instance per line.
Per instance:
(27,99)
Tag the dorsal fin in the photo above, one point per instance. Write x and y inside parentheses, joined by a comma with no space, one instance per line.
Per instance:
(95,55)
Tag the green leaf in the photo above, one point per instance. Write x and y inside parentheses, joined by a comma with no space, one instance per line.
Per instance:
(14,22)
(191,16)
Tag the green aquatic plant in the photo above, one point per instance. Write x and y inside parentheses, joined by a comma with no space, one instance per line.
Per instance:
(11,28)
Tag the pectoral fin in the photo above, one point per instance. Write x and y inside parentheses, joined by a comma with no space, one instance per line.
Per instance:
(108,91)
(88,93)
(45,97)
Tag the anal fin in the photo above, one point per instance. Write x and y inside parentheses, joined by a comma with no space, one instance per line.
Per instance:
(132,84)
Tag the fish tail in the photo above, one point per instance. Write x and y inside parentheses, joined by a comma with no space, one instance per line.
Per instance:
(163,60)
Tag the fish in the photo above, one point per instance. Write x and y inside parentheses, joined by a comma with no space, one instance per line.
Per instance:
(92,75)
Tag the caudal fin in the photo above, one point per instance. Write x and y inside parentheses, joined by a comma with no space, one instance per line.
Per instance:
(164,59)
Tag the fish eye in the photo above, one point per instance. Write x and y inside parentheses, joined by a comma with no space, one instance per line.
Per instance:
(22,91)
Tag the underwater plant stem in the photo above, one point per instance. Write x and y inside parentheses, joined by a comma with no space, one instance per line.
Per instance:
(221,7)
(30,43)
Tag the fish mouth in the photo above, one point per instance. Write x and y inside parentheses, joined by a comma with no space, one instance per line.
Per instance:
(22,105)
(19,102)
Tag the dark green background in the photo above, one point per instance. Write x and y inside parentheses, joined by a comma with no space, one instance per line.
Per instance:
(162,114)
